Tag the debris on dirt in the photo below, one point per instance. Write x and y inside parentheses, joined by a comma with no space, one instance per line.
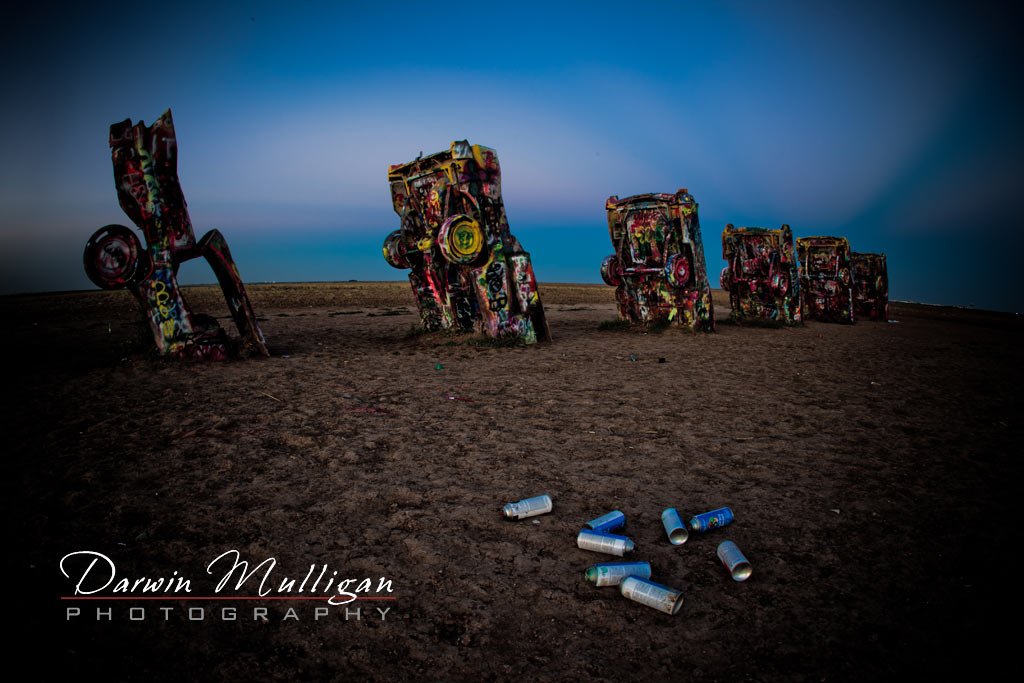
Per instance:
(646,592)
(601,542)
(528,507)
(734,560)
(709,521)
(674,527)
(607,522)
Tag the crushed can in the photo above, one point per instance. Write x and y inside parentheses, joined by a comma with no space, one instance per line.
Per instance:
(528,507)
(607,522)
(600,542)
(677,531)
(734,560)
(709,521)
(646,592)
(612,573)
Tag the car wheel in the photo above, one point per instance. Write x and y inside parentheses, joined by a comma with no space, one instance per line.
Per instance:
(725,279)
(395,251)
(780,283)
(462,241)
(611,271)
(678,271)
(114,258)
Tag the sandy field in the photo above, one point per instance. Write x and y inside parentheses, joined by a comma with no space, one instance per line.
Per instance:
(870,469)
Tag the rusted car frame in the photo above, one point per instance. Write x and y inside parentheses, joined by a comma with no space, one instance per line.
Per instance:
(658,267)
(826,275)
(146,177)
(761,275)
(467,271)
(870,286)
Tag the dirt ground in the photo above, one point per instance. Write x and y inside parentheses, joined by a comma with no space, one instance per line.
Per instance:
(870,469)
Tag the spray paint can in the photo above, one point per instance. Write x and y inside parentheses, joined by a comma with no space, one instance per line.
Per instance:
(528,507)
(607,522)
(612,573)
(600,542)
(674,527)
(734,560)
(646,592)
(709,521)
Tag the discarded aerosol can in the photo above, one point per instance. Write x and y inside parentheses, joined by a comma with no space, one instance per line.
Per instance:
(662,598)
(612,573)
(528,507)
(709,521)
(600,542)
(674,527)
(734,561)
(608,522)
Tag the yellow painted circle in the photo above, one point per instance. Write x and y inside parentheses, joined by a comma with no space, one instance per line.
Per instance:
(465,239)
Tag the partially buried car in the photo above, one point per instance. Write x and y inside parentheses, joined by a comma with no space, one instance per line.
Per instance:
(870,286)
(761,275)
(826,276)
(658,266)
(467,270)
(146,176)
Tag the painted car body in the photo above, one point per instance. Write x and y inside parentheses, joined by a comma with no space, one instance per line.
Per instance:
(467,270)
(146,177)
(761,275)
(658,267)
(826,275)
(870,286)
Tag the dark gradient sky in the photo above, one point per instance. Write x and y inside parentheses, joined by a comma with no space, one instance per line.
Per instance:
(897,126)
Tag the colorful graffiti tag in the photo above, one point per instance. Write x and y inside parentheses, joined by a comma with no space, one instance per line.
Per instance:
(761,276)
(870,286)
(146,176)
(826,276)
(658,266)
(467,269)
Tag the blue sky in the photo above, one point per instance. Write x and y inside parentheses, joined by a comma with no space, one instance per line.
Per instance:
(895,126)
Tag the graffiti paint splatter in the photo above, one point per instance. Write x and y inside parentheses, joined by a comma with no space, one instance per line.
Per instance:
(146,176)
(467,269)
(658,268)
(761,276)
(826,275)
(870,286)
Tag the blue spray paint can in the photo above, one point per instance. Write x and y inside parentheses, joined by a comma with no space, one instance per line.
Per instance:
(608,522)
(612,573)
(709,521)
(674,527)
(600,542)
(734,560)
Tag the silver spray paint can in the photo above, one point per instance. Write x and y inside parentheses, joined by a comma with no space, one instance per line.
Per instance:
(738,565)
(612,573)
(600,542)
(529,507)
(608,522)
(674,527)
(708,521)
(662,598)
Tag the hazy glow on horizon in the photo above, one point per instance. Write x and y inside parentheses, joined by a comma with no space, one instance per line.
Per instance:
(885,124)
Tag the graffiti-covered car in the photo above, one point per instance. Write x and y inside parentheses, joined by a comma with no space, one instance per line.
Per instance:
(467,270)
(658,268)
(761,274)
(146,176)
(870,286)
(826,276)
